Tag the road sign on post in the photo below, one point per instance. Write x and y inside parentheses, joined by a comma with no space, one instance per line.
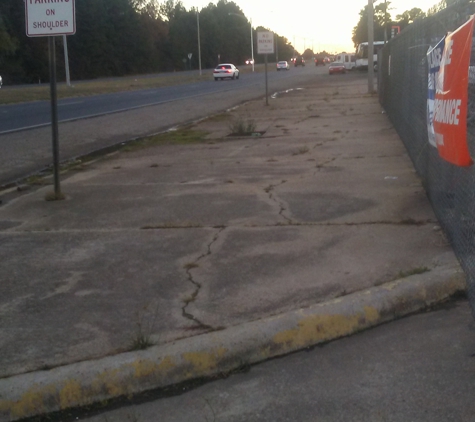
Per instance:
(50,18)
(45,19)
(265,42)
(265,45)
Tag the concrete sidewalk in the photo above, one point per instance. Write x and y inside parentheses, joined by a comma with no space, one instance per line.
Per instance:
(220,253)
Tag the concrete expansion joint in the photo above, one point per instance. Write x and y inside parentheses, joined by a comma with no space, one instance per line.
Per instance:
(408,222)
(197,286)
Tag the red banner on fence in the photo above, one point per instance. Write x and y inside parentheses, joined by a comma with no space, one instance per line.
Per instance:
(451,98)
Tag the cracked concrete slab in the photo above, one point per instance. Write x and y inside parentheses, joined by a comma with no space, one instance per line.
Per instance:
(73,295)
(185,244)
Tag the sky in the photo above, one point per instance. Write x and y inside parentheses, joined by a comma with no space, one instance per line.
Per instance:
(316,24)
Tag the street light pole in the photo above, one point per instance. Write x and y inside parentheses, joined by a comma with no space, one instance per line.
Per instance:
(252,48)
(370,48)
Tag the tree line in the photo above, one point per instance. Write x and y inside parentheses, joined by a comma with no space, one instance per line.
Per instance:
(126,37)
(382,21)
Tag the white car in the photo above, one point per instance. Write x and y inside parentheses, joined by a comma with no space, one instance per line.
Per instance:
(283,65)
(225,70)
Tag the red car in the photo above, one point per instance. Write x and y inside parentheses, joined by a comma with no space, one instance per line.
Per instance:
(336,67)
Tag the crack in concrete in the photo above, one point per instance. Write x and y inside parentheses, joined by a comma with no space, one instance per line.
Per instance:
(269,190)
(319,166)
(196,284)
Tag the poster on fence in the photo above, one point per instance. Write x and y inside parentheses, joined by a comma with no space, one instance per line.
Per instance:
(447,95)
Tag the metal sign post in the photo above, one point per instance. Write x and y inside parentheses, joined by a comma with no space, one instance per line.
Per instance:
(49,19)
(54,114)
(267,91)
(265,45)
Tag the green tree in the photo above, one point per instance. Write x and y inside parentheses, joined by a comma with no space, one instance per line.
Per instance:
(120,37)
(308,54)
(409,16)
(380,22)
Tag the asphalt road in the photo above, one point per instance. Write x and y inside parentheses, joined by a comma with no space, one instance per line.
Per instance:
(14,117)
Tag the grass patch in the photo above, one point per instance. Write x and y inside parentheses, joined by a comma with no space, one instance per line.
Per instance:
(182,136)
(36,180)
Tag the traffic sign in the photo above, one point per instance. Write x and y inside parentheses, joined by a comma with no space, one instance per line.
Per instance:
(47,18)
(265,42)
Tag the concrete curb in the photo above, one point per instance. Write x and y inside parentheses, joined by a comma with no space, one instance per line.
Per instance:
(209,354)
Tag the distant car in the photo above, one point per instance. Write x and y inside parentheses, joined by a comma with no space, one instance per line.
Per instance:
(336,67)
(283,65)
(299,61)
(225,70)
(1,81)
(319,61)
(249,61)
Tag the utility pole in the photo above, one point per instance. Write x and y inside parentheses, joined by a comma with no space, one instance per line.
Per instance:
(370,48)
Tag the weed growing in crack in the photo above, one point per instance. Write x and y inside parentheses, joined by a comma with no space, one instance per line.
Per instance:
(240,126)
(190,266)
(144,324)
(301,150)
(140,342)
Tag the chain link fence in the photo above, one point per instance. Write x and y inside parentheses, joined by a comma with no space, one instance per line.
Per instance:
(402,88)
